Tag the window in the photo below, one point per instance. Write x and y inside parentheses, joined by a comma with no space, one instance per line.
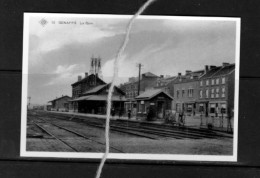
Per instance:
(223,92)
(223,108)
(212,108)
(207,82)
(200,93)
(177,93)
(212,93)
(217,92)
(201,83)
(212,82)
(190,92)
(207,93)
(183,92)
(142,107)
(223,80)
(217,81)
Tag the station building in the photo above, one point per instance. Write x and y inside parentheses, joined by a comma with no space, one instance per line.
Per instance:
(94,100)
(83,85)
(155,99)
(89,95)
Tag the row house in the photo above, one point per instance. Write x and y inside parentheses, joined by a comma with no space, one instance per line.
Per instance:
(216,90)
(186,92)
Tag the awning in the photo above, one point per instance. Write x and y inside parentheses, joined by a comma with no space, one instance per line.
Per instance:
(99,98)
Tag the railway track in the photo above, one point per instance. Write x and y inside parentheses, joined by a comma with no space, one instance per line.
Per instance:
(76,141)
(145,130)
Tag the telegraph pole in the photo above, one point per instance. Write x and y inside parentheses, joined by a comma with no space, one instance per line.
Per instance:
(139,76)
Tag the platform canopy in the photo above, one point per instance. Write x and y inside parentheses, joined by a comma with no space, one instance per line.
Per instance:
(99,98)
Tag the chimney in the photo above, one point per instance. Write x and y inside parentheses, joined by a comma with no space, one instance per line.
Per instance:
(86,74)
(188,72)
(206,69)
(161,76)
(79,78)
(212,67)
(225,64)
(179,76)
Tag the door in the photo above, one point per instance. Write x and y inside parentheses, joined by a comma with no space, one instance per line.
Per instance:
(160,109)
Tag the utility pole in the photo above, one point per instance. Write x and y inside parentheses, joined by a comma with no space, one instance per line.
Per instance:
(139,76)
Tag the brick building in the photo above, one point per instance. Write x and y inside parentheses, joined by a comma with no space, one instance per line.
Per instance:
(83,85)
(216,90)
(186,92)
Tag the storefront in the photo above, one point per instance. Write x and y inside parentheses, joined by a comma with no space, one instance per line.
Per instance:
(203,108)
(217,108)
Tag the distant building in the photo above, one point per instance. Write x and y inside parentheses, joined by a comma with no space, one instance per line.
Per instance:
(166,84)
(60,104)
(216,90)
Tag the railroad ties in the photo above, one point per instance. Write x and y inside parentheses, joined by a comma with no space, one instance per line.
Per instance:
(141,129)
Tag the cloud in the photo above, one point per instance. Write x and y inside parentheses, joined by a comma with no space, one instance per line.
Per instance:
(64,74)
(53,36)
(128,63)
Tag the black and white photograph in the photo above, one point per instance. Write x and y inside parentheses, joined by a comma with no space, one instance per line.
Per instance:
(175,97)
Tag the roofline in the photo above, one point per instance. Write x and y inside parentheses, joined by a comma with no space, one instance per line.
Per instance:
(161,91)
(223,68)
(59,98)
(85,78)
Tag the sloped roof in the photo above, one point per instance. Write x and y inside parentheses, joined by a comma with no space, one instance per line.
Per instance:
(59,98)
(99,98)
(150,94)
(100,87)
(86,78)
(211,72)
(95,89)
(225,70)
(149,74)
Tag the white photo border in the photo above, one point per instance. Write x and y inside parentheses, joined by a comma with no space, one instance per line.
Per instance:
(170,157)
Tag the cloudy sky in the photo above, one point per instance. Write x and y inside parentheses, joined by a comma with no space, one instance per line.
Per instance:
(58,53)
